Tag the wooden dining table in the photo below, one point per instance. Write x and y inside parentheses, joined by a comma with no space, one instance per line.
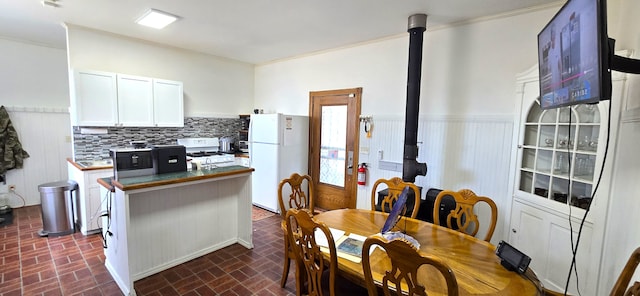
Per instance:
(476,266)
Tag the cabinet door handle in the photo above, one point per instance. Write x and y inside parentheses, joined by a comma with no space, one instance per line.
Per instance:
(513,230)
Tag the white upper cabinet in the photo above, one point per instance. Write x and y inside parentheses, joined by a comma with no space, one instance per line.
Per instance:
(168,103)
(110,99)
(135,100)
(94,98)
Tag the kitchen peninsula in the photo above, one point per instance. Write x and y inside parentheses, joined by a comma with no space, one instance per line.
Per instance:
(159,221)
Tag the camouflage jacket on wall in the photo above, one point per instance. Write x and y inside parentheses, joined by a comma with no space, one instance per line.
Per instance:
(11,152)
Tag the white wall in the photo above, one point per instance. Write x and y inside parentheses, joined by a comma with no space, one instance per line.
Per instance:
(213,86)
(45,133)
(467,69)
(33,75)
(621,237)
(35,90)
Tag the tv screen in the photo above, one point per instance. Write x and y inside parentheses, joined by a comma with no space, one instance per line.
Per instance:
(573,55)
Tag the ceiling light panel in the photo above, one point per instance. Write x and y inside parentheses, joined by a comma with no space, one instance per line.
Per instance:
(50,3)
(156,19)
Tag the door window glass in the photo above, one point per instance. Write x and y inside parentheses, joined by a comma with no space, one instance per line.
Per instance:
(333,143)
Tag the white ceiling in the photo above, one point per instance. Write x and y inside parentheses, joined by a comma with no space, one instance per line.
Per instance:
(253,31)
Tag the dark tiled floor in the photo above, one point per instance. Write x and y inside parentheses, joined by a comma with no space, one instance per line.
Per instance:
(74,265)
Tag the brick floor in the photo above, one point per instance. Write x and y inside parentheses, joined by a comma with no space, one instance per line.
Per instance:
(74,264)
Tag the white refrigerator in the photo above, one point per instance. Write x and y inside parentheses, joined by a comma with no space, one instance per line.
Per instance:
(278,147)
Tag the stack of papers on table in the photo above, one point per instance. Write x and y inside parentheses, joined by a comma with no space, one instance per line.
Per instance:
(347,246)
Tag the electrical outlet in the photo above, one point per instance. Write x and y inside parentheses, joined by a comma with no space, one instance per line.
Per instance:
(12,187)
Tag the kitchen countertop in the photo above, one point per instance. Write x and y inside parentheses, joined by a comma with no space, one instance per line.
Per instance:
(89,168)
(139,182)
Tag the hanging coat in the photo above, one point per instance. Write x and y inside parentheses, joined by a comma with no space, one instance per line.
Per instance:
(11,152)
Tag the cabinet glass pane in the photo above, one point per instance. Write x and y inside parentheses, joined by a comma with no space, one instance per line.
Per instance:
(526,181)
(547,135)
(543,161)
(580,194)
(559,191)
(565,139)
(535,113)
(528,158)
(584,166)
(561,163)
(541,186)
(549,116)
(530,135)
(588,138)
(587,113)
(563,116)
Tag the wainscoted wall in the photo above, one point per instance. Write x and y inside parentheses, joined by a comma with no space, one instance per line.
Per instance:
(624,199)
(472,153)
(96,146)
(45,134)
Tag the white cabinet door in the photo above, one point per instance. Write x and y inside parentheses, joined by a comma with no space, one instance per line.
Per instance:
(168,103)
(110,99)
(546,238)
(94,199)
(135,100)
(89,199)
(94,98)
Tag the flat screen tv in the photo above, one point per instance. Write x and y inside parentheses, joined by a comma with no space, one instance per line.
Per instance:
(573,55)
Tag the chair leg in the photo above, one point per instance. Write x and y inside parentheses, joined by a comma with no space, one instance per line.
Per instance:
(301,281)
(287,263)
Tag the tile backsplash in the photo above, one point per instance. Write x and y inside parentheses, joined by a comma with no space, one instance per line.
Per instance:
(96,146)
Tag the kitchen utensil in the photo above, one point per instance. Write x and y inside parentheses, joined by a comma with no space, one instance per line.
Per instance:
(139,144)
(226,144)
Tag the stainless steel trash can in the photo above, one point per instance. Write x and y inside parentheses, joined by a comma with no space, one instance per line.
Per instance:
(57,201)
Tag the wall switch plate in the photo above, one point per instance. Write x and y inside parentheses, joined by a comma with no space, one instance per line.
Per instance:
(390,166)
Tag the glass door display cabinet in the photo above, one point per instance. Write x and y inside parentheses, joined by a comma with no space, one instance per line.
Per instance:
(558,162)
(559,153)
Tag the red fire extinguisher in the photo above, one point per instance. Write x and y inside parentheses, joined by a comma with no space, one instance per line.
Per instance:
(362,174)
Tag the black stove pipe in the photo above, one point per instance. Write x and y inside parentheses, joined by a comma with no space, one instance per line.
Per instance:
(410,166)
